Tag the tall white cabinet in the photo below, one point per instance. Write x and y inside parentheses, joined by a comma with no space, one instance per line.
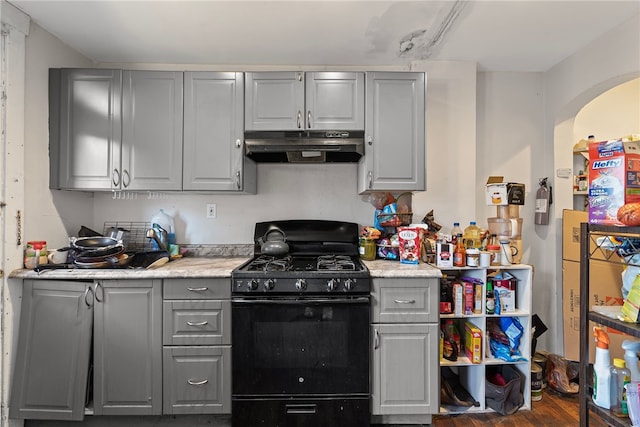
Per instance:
(473,375)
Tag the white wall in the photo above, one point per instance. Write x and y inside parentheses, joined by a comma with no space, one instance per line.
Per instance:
(46,212)
(607,62)
(612,115)
(511,144)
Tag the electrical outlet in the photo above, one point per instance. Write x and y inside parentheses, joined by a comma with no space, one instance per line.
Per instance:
(211,210)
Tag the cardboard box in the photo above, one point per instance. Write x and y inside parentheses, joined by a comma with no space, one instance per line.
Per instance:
(506,290)
(606,289)
(614,179)
(571,221)
(444,254)
(499,193)
(472,342)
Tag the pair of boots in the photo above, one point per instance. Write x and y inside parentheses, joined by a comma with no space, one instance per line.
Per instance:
(452,393)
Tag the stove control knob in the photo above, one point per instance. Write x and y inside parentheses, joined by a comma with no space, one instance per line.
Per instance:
(349,284)
(301,284)
(253,284)
(332,284)
(269,284)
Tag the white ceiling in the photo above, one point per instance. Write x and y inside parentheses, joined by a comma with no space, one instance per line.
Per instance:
(511,35)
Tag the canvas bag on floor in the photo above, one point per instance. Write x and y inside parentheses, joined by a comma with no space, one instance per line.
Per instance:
(506,399)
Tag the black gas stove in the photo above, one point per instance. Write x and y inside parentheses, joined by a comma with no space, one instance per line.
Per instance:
(323,259)
(301,329)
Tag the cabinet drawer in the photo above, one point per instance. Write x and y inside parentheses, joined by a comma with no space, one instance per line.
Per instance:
(196,322)
(197,380)
(218,288)
(405,300)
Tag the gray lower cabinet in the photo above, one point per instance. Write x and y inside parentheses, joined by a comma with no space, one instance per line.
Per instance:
(51,378)
(54,343)
(394,158)
(295,100)
(405,350)
(214,134)
(197,346)
(127,348)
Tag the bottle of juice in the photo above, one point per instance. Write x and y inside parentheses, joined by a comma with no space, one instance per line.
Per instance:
(459,253)
(472,236)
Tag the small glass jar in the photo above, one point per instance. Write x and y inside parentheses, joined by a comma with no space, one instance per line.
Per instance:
(35,254)
(367,249)
(496,254)
(473,257)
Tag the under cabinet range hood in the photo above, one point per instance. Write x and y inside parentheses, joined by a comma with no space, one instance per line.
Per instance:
(304,146)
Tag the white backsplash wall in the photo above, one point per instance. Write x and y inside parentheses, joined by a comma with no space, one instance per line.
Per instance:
(285,191)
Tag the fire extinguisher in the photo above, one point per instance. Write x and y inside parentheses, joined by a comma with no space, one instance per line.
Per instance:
(543,202)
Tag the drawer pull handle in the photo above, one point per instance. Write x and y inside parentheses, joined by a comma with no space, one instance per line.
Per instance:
(196,382)
(400,301)
(197,323)
(198,289)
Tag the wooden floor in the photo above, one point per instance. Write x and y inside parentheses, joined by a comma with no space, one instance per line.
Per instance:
(553,411)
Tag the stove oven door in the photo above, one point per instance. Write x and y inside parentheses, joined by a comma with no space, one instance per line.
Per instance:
(300,347)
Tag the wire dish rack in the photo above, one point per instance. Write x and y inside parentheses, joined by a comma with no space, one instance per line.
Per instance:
(134,234)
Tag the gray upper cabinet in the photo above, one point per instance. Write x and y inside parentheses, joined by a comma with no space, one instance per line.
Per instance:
(213,133)
(115,130)
(296,100)
(394,157)
(52,357)
(152,130)
(85,128)
(127,348)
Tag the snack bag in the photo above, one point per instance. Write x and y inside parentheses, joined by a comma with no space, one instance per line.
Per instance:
(409,244)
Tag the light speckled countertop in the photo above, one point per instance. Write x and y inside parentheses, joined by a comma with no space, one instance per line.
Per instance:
(187,267)
(201,267)
(384,268)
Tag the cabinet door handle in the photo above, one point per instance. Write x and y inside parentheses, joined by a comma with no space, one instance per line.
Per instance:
(376,341)
(238,183)
(309,119)
(238,143)
(115,178)
(202,289)
(404,301)
(197,323)
(298,119)
(370,179)
(369,140)
(299,77)
(125,174)
(196,382)
(89,301)
(99,295)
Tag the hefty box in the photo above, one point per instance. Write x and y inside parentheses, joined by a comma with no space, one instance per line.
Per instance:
(499,193)
(614,179)
(472,342)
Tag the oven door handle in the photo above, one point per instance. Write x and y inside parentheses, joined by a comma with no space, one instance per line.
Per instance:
(299,409)
(262,301)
